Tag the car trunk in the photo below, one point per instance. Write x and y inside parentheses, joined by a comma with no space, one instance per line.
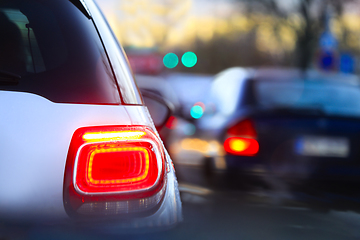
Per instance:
(308,145)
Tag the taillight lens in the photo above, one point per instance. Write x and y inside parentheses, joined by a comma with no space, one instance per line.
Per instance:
(241,139)
(241,146)
(116,167)
(112,163)
(245,129)
(171,123)
(116,160)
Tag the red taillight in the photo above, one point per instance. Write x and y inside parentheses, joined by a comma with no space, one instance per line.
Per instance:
(172,122)
(241,146)
(241,139)
(117,160)
(113,163)
(244,128)
(103,168)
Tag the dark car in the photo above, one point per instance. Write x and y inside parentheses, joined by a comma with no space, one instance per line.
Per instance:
(290,125)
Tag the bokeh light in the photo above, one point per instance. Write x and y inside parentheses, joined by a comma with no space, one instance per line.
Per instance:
(189,129)
(170,60)
(196,112)
(171,122)
(189,59)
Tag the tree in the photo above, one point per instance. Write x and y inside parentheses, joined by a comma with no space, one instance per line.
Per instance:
(311,16)
(148,23)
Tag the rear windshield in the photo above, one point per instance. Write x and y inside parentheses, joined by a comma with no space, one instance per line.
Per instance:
(333,98)
(53,50)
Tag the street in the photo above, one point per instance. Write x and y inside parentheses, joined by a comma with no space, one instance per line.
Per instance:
(242,212)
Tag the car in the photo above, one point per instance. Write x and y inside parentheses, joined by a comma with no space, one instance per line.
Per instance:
(77,141)
(284,124)
(190,89)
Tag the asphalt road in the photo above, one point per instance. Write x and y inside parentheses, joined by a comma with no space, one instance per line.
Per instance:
(244,211)
(249,211)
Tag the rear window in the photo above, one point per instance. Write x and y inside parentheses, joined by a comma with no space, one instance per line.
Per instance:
(333,98)
(56,51)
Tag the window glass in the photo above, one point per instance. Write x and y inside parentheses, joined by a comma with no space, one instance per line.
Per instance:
(56,51)
(330,97)
(129,91)
(225,90)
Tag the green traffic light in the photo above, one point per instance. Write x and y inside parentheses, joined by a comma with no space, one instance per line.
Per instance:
(196,112)
(189,59)
(170,60)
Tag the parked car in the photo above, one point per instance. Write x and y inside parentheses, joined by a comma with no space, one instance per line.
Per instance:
(292,125)
(76,138)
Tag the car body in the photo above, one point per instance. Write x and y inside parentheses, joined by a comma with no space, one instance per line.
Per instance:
(292,125)
(76,138)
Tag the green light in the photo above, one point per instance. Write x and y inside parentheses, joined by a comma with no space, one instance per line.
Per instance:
(170,60)
(189,59)
(196,112)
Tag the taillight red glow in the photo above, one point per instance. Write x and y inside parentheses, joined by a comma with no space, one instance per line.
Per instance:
(171,123)
(112,135)
(241,146)
(244,128)
(241,139)
(105,168)
(118,165)
(120,161)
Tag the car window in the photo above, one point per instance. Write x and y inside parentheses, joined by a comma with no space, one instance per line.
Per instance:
(226,90)
(129,91)
(331,97)
(58,56)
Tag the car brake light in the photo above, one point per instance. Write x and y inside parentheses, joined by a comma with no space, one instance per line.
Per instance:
(103,168)
(241,139)
(116,161)
(171,123)
(241,146)
(245,128)
(111,163)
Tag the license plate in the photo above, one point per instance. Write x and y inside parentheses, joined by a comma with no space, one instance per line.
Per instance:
(322,146)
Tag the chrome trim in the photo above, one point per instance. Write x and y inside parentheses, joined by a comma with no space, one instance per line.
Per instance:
(85,6)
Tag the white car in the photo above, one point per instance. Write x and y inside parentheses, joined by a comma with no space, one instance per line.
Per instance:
(76,139)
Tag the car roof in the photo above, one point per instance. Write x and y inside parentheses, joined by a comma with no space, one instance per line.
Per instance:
(80,4)
(289,74)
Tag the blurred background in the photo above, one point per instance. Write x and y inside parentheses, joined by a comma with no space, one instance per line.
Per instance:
(226,33)
(265,126)
(220,64)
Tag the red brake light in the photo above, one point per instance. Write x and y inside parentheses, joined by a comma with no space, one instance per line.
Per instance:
(117,161)
(118,166)
(103,168)
(244,128)
(241,139)
(241,146)
(172,122)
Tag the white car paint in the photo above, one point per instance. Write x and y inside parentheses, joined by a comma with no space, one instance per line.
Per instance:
(35,137)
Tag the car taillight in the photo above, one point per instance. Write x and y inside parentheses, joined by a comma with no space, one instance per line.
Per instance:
(245,128)
(241,139)
(112,163)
